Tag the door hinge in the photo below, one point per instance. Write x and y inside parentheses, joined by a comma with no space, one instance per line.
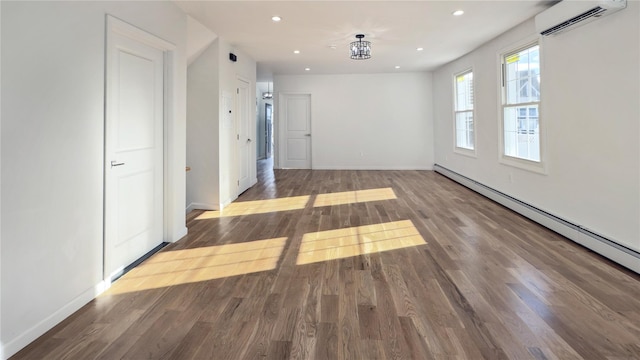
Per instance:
(238,182)
(238,137)
(238,91)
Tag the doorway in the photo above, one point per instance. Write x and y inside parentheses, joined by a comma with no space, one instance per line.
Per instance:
(244,138)
(268,121)
(134,145)
(295,121)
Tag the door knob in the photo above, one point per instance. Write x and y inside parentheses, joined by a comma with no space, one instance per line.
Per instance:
(307,134)
(115,163)
(248,140)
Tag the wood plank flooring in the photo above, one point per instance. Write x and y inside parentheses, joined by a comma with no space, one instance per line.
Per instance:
(360,265)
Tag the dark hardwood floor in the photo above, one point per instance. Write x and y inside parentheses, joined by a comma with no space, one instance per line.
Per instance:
(391,265)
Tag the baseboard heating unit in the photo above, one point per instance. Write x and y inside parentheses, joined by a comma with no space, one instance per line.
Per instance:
(608,248)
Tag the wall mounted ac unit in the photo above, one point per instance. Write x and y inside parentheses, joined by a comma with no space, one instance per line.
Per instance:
(567,15)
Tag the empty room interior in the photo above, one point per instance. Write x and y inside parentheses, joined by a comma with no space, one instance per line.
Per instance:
(320,179)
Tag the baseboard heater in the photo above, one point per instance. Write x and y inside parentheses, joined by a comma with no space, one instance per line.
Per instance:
(608,248)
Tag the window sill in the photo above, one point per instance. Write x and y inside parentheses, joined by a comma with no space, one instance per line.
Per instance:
(466,152)
(529,165)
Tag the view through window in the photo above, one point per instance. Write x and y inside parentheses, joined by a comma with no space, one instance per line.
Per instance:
(464,110)
(521,101)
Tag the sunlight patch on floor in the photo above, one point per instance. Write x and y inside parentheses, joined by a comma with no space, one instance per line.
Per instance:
(258,207)
(343,243)
(177,267)
(352,197)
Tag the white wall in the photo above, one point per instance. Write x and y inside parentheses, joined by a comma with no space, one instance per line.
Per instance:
(52,154)
(245,68)
(212,181)
(203,92)
(199,37)
(590,93)
(366,121)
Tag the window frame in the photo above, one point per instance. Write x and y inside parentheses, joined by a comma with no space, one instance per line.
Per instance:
(459,149)
(503,158)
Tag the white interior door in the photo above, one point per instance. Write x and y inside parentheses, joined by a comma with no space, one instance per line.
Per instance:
(133,151)
(295,118)
(244,137)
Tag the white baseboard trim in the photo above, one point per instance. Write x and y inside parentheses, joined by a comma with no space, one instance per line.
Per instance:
(579,234)
(29,336)
(182,233)
(226,203)
(201,206)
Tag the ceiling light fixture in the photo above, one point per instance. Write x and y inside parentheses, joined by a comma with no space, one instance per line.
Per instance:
(267,95)
(296,51)
(419,49)
(307,69)
(397,66)
(458,12)
(276,18)
(360,50)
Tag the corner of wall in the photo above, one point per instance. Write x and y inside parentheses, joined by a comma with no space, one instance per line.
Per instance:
(202,127)
(199,38)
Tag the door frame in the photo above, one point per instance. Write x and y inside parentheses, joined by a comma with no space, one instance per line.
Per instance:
(114,26)
(251,131)
(279,128)
(268,130)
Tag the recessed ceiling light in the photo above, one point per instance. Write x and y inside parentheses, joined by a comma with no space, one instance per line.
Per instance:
(419,49)
(397,66)
(296,51)
(458,13)
(276,18)
(307,69)
(333,47)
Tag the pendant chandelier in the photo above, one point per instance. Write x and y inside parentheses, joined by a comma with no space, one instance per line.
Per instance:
(267,95)
(360,50)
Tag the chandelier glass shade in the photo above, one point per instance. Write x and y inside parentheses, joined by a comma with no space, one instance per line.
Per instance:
(267,95)
(360,49)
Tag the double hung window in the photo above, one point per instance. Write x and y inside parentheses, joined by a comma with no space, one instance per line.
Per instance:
(521,103)
(464,129)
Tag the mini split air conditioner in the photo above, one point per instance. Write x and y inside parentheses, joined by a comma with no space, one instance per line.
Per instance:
(568,15)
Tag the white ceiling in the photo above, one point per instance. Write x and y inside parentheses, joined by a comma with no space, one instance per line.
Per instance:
(395,29)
